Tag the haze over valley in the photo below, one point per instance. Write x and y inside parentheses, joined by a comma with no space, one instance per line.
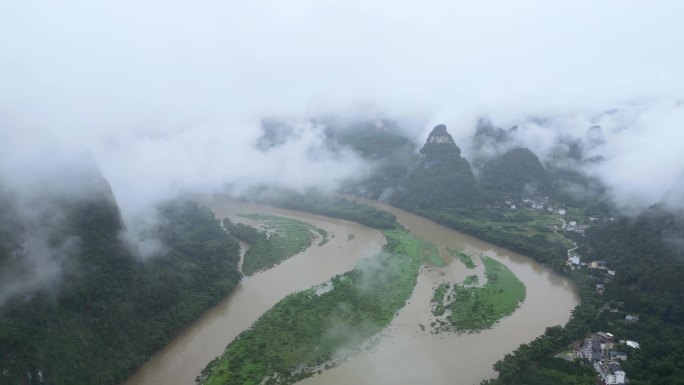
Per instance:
(341,192)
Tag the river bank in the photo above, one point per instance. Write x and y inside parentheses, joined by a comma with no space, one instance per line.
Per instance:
(409,354)
(183,359)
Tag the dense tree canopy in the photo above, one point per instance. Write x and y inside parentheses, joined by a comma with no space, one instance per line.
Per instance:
(442,178)
(515,174)
(331,206)
(110,310)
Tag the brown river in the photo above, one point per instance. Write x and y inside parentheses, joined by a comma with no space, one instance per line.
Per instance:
(406,355)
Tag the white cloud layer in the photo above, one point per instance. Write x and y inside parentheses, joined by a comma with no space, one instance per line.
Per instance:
(167,95)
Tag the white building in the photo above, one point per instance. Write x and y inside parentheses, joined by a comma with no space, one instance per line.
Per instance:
(611,373)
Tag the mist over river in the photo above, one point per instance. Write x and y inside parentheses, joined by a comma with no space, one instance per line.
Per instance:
(408,354)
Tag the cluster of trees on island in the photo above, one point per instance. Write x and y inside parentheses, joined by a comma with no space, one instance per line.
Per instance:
(280,239)
(469,307)
(311,330)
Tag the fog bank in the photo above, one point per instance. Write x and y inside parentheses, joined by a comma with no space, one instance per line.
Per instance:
(168,96)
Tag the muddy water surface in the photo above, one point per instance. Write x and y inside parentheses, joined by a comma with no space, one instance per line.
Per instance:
(408,355)
(411,356)
(182,360)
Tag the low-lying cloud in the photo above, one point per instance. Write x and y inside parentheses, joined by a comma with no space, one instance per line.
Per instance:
(634,149)
(168,96)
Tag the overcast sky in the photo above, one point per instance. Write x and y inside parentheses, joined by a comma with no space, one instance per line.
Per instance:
(168,94)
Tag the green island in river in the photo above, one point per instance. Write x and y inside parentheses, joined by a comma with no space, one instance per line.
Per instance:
(463,257)
(314,329)
(277,239)
(469,308)
(318,328)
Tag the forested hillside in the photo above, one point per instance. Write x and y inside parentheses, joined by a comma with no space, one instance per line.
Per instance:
(106,311)
(389,154)
(331,206)
(439,183)
(648,256)
(442,178)
(515,174)
(647,252)
(442,187)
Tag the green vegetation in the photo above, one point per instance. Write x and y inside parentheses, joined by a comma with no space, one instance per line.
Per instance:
(567,182)
(515,174)
(112,310)
(528,358)
(471,280)
(306,331)
(550,370)
(442,187)
(647,253)
(439,300)
(463,257)
(371,141)
(525,231)
(331,206)
(278,239)
(522,232)
(391,154)
(466,308)
(649,263)
(434,259)
(442,178)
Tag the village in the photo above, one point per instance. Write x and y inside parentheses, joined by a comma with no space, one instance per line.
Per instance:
(605,355)
(576,221)
(571,225)
(600,348)
(601,267)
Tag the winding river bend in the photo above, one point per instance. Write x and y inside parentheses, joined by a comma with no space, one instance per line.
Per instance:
(407,355)
(411,356)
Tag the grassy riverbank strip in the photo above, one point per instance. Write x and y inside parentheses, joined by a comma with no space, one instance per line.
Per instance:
(465,308)
(277,239)
(463,257)
(317,328)
(331,206)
